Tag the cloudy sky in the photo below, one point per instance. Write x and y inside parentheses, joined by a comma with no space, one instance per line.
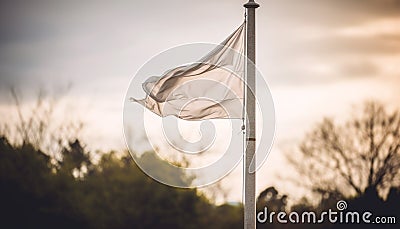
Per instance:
(319,57)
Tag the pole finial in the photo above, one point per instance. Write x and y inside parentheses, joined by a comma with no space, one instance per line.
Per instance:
(251,4)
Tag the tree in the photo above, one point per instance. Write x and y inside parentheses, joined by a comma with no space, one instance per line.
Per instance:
(66,189)
(35,123)
(358,157)
(270,198)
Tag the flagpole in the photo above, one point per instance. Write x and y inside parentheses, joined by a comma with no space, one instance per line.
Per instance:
(250,178)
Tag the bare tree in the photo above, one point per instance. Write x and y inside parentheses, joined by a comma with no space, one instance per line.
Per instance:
(361,155)
(37,125)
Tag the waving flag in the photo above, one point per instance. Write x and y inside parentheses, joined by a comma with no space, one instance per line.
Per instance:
(211,88)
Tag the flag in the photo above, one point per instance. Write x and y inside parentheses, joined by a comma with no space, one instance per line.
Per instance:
(211,88)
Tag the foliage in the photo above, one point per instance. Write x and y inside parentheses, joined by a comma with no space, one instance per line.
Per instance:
(111,194)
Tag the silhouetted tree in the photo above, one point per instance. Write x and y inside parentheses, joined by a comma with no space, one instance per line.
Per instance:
(357,157)
(36,124)
(272,199)
(43,189)
(274,202)
(115,193)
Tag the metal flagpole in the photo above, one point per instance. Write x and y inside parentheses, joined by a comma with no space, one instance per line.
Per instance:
(250,178)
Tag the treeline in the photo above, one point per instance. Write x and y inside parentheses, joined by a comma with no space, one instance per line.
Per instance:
(48,180)
(37,191)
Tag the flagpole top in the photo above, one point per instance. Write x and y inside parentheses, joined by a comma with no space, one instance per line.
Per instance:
(251,4)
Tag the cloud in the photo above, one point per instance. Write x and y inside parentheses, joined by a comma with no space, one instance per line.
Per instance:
(360,69)
(333,12)
(322,53)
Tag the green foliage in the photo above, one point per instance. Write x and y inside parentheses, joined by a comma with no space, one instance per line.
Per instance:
(37,192)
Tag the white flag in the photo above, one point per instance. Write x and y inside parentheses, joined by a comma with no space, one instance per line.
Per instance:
(211,88)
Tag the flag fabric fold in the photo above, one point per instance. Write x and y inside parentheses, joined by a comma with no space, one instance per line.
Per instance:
(211,88)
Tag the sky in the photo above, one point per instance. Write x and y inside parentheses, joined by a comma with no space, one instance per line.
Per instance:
(319,58)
